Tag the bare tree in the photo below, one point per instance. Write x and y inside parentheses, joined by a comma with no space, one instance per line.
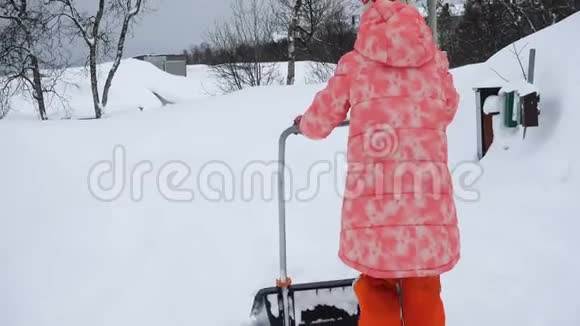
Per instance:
(97,30)
(5,96)
(239,45)
(432,18)
(29,44)
(305,20)
(320,72)
(127,10)
(292,35)
(488,26)
(89,28)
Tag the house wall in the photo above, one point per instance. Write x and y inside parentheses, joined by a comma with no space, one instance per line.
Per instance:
(176,67)
(158,62)
(171,64)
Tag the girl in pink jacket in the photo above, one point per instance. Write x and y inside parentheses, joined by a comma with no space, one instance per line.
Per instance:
(399,222)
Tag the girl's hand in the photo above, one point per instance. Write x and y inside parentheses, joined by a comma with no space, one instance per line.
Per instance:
(297,124)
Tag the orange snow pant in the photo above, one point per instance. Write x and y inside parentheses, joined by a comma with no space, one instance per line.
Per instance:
(397,302)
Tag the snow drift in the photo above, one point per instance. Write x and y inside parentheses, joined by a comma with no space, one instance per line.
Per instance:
(135,86)
(132,88)
(184,233)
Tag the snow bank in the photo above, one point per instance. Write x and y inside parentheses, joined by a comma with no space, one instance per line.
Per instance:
(133,89)
(548,149)
(70,258)
(520,236)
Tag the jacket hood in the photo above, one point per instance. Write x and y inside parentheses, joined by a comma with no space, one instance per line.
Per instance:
(395,34)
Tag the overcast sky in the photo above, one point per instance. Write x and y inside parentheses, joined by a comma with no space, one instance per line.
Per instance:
(174,25)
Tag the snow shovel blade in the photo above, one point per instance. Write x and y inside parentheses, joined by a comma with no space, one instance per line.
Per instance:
(320,303)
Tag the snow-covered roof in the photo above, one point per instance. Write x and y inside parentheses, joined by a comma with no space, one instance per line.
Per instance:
(522,87)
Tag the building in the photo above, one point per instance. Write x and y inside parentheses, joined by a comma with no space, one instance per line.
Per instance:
(175,64)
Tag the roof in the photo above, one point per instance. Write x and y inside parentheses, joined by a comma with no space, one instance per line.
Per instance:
(167,56)
(521,86)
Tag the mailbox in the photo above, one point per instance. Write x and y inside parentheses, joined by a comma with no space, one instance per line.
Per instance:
(517,105)
(510,116)
(521,109)
(529,109)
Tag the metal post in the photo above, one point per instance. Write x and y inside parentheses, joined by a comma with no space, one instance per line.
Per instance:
(432,12)
(478,123)
(531,76)
(532,66)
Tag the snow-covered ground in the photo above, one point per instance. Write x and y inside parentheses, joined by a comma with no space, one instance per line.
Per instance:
(133,88)
(155,256)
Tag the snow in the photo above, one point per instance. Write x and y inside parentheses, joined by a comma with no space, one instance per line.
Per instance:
(149,257)
(493,104)
(341,298)
(133,87)
(522,87)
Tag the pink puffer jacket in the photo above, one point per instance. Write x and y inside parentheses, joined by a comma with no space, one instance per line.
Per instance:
(398,217)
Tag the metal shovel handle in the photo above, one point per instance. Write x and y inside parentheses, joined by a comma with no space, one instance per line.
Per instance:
(284,281)
(281,190)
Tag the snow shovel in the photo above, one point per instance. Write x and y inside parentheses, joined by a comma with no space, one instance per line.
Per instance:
(286,304)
